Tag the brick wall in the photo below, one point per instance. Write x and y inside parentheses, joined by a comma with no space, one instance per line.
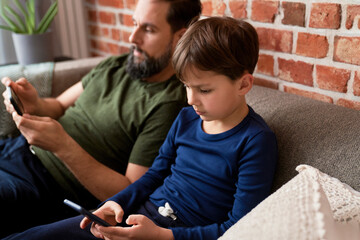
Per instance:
(309,48)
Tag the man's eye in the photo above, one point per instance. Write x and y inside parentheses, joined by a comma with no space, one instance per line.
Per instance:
(149,29)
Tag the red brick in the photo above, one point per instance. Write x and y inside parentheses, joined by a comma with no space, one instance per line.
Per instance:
(105,32)
(213,8)
(206,8)
(298,72)
(325,15)
(91,2)
(107,18)
(347,50)
(92,16)
(333,79)
(265,64)
(294,13)
(126,19)
(352,12)
(356,85)
(238,8)
(266,83)
(308,94)
(348,103)
(94,30)
(312,45)
(131,4)
(124,49)
(113,49)
(94,54)
(116,34)
(264,11)
(125,36)
(275,40)
(112,3)
(99,45)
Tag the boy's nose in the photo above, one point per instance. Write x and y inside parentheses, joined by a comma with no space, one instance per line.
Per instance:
(191,97)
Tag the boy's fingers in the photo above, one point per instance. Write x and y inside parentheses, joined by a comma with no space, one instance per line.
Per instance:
(84,222)
(134,219)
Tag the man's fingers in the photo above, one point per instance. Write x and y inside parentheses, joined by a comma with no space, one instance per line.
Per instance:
(6,81)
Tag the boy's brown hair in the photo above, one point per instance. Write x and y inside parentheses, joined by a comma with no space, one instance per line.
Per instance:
(223,45)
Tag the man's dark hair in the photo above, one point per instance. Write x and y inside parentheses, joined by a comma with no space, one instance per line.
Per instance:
(182,12)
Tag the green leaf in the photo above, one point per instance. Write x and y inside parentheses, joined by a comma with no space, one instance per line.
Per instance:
(12,24)
(30,5)
(29,30)
(17,17)
(6,28)
(47,19)
(22,9)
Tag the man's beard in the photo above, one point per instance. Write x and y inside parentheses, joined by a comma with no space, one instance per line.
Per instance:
(149,66)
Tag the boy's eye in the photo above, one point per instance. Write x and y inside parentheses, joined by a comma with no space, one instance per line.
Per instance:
(205,90)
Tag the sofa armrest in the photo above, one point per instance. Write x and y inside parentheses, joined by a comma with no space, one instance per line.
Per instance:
(67,73)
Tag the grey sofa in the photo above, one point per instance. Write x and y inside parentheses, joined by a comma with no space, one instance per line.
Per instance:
(308,131)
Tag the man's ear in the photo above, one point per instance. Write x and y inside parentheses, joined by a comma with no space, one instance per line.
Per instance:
(245,83)
(178,34)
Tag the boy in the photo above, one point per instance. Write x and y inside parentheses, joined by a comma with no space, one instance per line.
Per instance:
(218,160)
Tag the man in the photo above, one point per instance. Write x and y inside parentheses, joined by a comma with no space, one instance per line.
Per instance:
(109,126)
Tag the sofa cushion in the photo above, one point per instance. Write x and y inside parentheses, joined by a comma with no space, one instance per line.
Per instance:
(310,132)
(309,206)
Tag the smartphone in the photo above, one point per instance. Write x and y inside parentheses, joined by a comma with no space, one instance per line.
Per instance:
(86,213)
(15,101)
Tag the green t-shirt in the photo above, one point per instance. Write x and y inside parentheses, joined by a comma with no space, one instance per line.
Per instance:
(117,120)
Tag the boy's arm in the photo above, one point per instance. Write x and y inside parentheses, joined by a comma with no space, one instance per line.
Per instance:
(255,177)
(138,192)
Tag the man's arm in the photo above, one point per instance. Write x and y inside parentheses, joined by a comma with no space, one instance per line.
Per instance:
(98,179)
(55,107)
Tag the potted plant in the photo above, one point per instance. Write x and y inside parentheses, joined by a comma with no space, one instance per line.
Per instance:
(32,40)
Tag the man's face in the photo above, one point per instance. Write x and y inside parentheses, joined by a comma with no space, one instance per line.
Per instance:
(152,39)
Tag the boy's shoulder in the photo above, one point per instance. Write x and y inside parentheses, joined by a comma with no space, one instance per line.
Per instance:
(257,122)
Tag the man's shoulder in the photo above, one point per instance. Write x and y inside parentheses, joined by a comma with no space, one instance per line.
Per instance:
(113,61)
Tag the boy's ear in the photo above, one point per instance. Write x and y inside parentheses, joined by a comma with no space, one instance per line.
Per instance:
(245,83)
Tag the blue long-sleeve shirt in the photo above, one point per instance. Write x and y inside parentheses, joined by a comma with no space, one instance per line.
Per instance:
(209,180)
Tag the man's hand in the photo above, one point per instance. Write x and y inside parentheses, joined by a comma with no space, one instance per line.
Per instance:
(142,228)
(26,93)
(42,132)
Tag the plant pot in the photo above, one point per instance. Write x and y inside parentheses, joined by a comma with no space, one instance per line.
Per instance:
(33,48)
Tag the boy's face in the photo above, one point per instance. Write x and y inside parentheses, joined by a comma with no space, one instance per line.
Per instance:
(214,97)
(152,37)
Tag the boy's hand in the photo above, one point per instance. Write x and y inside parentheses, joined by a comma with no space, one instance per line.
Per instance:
(111,212)
(142,228)
(26,93)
